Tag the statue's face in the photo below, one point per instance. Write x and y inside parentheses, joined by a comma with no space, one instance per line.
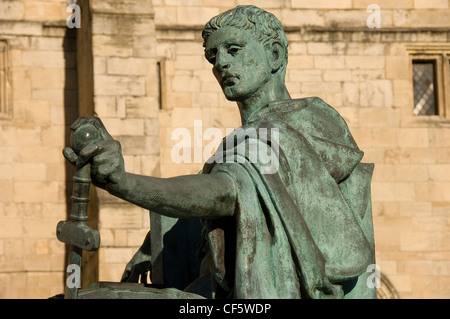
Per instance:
(239,62)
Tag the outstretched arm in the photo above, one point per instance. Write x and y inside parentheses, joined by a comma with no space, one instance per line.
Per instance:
(191,196)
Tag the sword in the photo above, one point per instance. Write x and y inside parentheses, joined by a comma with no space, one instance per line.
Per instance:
(75,231)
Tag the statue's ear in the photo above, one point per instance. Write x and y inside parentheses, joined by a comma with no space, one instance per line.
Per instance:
(277,54)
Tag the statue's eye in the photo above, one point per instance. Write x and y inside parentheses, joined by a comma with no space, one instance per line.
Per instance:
(211,57)
(234,49)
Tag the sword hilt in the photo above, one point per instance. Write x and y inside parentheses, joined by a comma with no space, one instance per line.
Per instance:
(75,231)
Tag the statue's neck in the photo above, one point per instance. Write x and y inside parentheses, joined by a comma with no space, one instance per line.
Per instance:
(256,102)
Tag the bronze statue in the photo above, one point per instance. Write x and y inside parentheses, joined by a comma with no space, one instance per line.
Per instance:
(300,229)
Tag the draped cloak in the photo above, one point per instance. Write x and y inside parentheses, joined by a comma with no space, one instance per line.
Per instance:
(303,230)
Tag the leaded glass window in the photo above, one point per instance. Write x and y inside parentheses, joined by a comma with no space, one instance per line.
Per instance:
(424,81)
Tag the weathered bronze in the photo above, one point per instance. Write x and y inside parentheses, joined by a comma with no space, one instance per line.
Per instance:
(75,232)
(285,201)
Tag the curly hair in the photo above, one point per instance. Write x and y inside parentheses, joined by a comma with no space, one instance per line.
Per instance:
(263,24)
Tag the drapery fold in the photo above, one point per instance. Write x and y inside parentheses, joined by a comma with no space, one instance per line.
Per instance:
(294,233)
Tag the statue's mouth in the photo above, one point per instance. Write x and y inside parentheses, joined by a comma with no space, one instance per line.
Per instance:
(230,80)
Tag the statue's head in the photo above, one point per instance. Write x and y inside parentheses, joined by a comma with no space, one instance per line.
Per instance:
(247,47)
(264,25)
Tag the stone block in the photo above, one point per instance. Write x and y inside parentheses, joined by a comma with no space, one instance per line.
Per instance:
(34,191)
(122,7)
(11,10)
(430,223)
(402,283)
(431,4)
(49,59)
(150,165)
(112,45)
(141,106)
(29,171)
(106,106)
(384,173)
(54,135)
(41,246)
(35,112)
(300,75)
(439,137)
(417,241)
(165,15)
(297,48)
(11,227)
(416,209)
(384,4)
(414,137)
(6,172)
(426,18)
(329,62)
(119,85)
(348,18)
(185,84)
(124,127)
(50,44)
(136,237)
(376,93)
(403,94)
(195,15)
(319,48)
(411,173)
(364,62)
(123,216)
(189,62)
(120,237)
(397,67)
(290,17)
(37,10)
(144,46)
(397,191)
(185,117)
(21,86)
(40,154)
(350,94)
(128,66)
(385,137)
(321,4)
(440,173)
(116,255)
(337,75)
(111,271)
(386,240)
(379,117)
(301,62)
(320,88)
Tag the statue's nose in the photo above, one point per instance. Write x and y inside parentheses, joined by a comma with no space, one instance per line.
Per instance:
(222,61)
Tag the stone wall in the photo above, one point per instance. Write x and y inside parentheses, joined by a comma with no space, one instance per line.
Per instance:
(42,84)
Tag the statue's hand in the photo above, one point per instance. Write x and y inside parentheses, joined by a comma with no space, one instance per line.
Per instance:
(140,264)
(92,143)
(138,267)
